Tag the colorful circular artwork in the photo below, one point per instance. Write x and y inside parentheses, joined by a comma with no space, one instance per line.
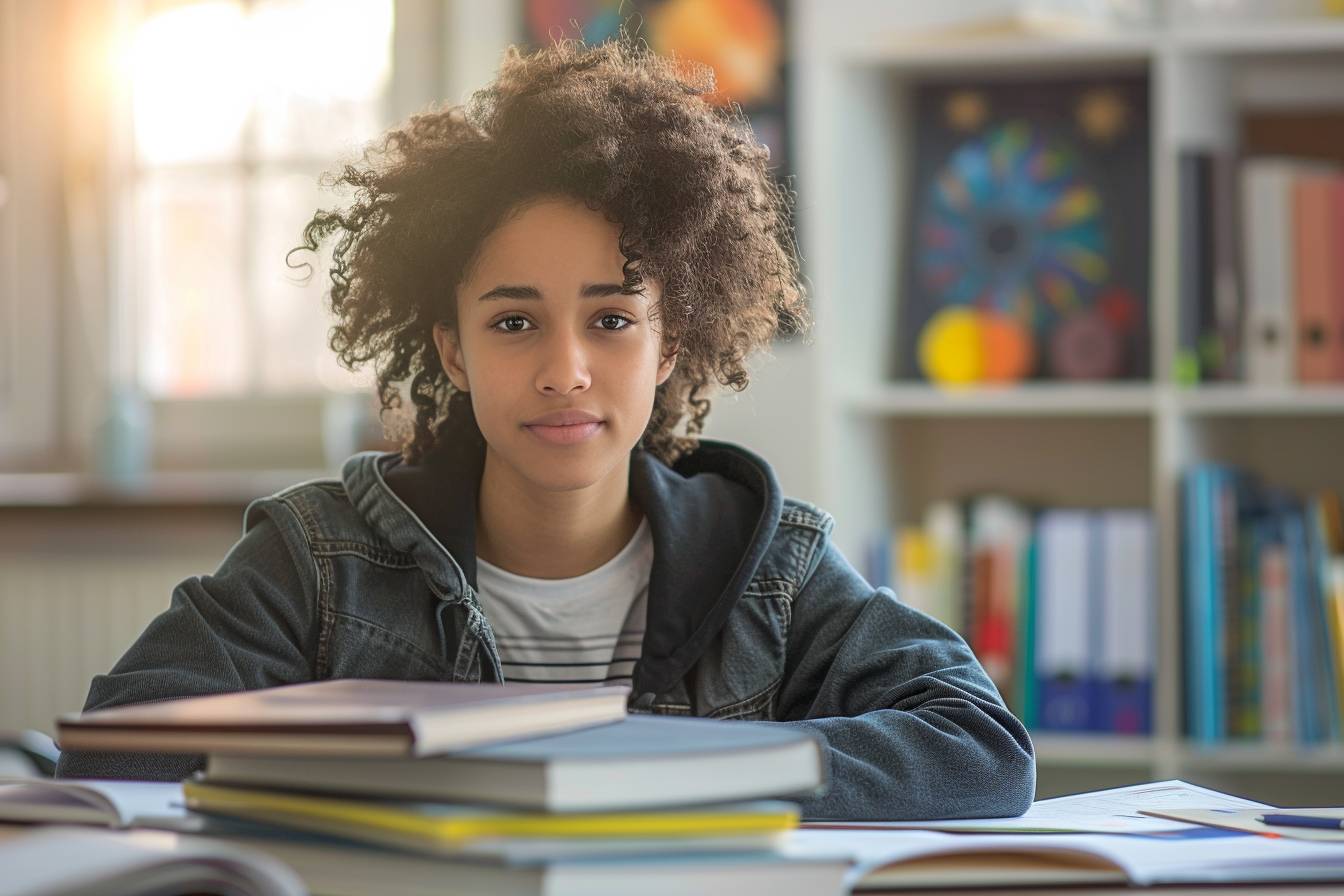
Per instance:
(1010,225)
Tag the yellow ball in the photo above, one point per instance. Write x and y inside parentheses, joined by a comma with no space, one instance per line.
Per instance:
(951,347)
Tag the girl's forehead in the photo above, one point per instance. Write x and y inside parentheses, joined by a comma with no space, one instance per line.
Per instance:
(553,239)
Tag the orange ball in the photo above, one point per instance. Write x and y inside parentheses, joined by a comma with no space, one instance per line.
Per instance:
(1008,352)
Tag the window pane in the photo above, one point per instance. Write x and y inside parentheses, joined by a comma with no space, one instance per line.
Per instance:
(292,306)
(190,96)
(190,294)
(322,71)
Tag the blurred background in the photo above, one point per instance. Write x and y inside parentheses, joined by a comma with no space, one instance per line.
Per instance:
(1076,383)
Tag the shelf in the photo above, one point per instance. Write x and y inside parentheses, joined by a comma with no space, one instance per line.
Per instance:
(1113,751)
(1267,37)
(1265,758)
(1005,52)
(1046,399)
(1240,400)
(178,488)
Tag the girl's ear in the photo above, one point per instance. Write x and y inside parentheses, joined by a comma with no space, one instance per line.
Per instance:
(668,362)
(450,356)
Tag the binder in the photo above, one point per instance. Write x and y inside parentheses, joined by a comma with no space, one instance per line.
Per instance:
(1065,621)
(1127,657)
(1317,281)
(1270,334)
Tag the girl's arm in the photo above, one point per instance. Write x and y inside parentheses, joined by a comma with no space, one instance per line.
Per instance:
(250,625)
(915,727)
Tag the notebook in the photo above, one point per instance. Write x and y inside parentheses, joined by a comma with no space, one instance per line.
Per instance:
(641,762)
(448,829)
(345,717)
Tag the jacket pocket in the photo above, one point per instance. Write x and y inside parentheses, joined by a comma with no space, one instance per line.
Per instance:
(361,649)
(739,675)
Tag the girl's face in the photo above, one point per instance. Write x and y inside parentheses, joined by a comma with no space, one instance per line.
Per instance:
(560,365)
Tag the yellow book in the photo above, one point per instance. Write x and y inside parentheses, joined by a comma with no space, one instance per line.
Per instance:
(442,827)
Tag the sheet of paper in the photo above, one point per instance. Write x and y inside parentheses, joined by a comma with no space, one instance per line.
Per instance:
(1116,811)
(1245,820)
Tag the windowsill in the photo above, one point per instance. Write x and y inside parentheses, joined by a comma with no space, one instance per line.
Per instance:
(163,489)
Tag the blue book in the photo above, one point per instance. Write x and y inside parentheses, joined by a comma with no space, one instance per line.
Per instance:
(1201,613)
(1311,666)
(1319,593)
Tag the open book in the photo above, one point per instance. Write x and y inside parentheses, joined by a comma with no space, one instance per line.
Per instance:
(114,804)
(80,862)
(910,859)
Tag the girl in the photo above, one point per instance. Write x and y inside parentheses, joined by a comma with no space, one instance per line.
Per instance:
(557,273)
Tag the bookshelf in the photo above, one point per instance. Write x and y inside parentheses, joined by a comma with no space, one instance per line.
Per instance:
(884,448)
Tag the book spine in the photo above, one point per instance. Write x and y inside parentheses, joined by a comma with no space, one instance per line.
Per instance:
(1276,691)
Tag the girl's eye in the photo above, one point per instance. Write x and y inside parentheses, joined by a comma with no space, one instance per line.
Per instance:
(507,324)
(614,323)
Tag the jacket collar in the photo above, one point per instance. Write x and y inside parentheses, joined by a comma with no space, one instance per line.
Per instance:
(712,516)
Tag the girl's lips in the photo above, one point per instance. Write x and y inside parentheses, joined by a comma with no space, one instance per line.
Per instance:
(565,435)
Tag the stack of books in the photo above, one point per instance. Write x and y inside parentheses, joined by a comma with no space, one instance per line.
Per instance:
(1262,571)
(381,786)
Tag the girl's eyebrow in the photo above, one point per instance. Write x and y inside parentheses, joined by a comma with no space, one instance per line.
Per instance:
(589,291)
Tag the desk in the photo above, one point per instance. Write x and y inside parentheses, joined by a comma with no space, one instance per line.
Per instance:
(9,831)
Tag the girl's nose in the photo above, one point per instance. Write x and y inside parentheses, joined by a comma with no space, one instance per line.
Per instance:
(564,367)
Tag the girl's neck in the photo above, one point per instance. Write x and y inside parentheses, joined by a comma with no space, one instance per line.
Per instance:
(552,535)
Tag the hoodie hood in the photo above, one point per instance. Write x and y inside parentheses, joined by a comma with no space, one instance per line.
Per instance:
(712,516)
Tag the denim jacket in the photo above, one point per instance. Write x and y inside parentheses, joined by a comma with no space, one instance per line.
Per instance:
(752,614)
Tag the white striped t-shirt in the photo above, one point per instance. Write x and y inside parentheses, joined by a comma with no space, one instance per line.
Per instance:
(584,630)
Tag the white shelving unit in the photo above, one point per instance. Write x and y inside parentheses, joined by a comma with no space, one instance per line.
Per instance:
(885,449)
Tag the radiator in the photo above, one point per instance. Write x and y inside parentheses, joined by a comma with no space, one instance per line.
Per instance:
(65,618)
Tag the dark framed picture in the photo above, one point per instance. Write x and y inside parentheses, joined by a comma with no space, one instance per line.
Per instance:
(1029,212)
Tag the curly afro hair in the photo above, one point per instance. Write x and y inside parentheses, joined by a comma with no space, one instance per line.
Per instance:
(628,133)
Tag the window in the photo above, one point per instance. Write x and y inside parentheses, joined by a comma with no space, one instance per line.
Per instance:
(235,109)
